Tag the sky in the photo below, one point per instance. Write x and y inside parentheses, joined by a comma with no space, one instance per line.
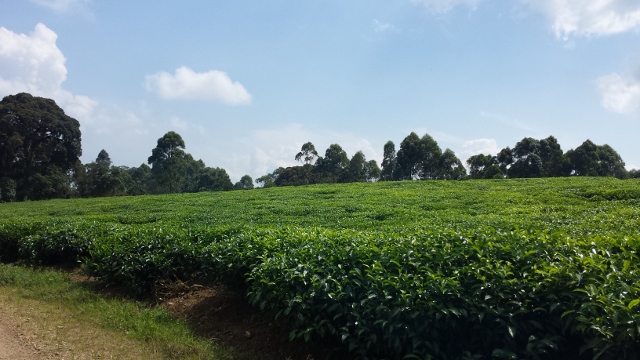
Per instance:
(246,83)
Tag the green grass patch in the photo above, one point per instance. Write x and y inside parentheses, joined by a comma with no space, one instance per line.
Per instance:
(152,327)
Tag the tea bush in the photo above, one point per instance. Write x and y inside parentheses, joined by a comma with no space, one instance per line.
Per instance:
(518,269)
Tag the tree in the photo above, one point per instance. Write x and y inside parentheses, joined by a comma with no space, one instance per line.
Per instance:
(584,159)
(40,146)
(7,190)
(408,161)
(269,180)
(371,171)
(430,154)
(103,158)
(610,163)
(526,159)
(332,166)
(554,163)
(140,179)
(191,169)
(100,178)
(357,170)
(388,161)
(245,183)
(167,161)
(295,175)
(504,159)
(484,167)
(307,154)
(214,179)
(450,167)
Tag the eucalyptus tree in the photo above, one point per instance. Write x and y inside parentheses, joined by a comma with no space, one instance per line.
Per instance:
(450,167)
(333,165)
(429,157)
(408,158)
(167,162)
(389,161)
(307,154)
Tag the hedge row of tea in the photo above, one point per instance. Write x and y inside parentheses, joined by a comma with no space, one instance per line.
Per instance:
(466,270)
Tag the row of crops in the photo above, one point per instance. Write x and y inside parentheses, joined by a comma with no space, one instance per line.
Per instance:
(518,269)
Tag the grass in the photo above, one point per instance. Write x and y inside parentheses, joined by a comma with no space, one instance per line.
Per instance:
(67,318)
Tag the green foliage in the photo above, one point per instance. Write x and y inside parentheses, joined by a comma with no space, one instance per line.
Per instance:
(245,183)
(520,268)
(39,146)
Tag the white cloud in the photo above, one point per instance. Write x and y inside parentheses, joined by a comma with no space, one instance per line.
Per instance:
(63,6)
(619,94)
(187,84)
(442,6)
(593,17)
(381,27)
(479,146)
(33,63)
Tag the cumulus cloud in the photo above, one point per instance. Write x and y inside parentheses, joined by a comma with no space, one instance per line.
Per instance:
(33,63)
(619,94)
(585,18)
(442,6)
(187,84)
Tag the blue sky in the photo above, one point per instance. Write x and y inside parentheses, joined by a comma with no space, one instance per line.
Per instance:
(246,83)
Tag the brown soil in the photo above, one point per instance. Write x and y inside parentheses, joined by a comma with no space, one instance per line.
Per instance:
(218,313)
(224,316)
(14,344)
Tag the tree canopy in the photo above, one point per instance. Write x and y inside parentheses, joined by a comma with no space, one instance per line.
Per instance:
(40,147)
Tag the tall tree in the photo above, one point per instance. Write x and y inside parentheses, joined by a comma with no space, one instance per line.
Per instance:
(371,171)
(450,167)
(409,158)
(39,146)
(167,161)
(334,163)
(100,178)
(388,161)
(430,154)
(584,159)
(554,163)
(307,154)
(357,168)
(526,159)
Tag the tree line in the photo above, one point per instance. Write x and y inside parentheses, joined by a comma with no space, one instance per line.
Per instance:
(420,158)
(40,147)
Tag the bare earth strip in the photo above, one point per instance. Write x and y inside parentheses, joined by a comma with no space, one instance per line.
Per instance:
(13,345)
(31,329)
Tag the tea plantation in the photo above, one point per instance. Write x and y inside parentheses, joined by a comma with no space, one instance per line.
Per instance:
(516,269)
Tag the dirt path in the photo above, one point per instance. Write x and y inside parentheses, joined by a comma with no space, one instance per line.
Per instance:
(13,344)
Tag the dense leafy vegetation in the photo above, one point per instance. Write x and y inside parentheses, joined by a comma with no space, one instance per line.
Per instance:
(523,268)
